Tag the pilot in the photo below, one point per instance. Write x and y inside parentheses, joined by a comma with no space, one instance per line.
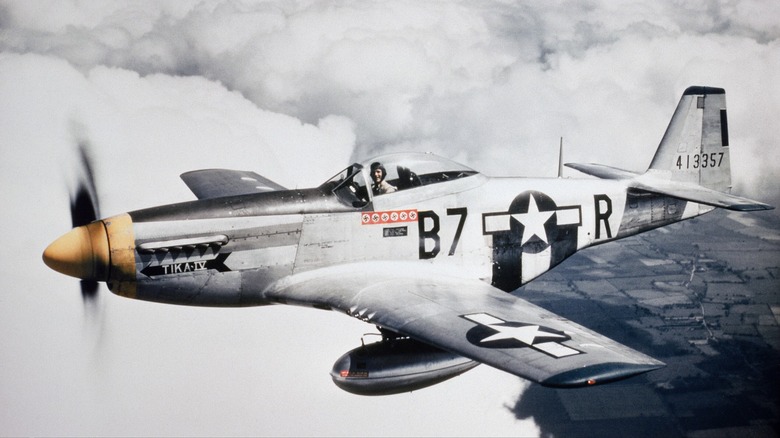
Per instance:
(378,174)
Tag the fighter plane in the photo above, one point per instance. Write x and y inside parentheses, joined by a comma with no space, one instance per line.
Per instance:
(424,248)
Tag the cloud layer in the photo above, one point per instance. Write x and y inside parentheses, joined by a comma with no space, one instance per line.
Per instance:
(494,84)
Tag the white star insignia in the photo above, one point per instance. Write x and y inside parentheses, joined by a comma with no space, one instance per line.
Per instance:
(533,221)
(525,334)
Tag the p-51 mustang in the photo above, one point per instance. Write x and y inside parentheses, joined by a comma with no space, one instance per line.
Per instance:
(424,248)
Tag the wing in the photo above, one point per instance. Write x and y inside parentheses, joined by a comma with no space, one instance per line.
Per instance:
(470,318)
(216,183)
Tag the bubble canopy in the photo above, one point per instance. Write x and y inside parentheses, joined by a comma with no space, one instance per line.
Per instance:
(402,171)
(421,164)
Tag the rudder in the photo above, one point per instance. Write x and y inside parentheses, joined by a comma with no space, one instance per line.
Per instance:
(695,146)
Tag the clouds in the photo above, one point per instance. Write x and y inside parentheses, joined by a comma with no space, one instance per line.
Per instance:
(160,118)
(493,83)
(398,68)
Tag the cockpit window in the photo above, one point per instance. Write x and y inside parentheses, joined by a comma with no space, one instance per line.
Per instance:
(349,186)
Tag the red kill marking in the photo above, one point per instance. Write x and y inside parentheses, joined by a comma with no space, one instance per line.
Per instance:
(388,217)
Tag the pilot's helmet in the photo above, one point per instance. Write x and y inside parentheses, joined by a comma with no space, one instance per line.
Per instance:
(377,165)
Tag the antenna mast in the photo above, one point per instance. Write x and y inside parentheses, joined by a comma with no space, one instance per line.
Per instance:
(560,159)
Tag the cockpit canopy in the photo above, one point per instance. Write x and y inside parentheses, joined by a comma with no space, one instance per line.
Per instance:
(355,185)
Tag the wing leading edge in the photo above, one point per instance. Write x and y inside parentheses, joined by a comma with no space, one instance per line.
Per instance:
(470,318)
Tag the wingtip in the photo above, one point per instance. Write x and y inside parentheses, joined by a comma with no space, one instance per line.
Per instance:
(756,206)
(600,373)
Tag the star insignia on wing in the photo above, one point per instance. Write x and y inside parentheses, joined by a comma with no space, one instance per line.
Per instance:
(507,334)
(525,334)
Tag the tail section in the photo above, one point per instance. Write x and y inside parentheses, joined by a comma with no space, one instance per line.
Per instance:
(695,147)
(692,162)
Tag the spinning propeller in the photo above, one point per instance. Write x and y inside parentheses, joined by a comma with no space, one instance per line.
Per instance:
(72,253)
(84,209)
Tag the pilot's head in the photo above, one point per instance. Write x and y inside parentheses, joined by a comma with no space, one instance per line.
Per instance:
(378,172)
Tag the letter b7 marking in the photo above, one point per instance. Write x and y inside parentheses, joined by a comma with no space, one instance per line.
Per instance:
(428,226)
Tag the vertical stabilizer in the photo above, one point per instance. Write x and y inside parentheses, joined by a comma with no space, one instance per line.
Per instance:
(695,147)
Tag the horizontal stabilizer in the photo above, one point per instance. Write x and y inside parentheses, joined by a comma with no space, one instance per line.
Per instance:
(217,183)
(656,182)
(602,171)
(697,193)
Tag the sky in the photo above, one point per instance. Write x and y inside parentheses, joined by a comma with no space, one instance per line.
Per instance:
(296,90)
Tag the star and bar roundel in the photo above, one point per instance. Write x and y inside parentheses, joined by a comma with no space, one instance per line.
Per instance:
(492,332)
(533,226)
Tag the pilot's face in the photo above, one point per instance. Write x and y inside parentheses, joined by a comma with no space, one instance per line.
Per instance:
(377,175)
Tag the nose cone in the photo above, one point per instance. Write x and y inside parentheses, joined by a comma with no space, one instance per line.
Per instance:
(82,252)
